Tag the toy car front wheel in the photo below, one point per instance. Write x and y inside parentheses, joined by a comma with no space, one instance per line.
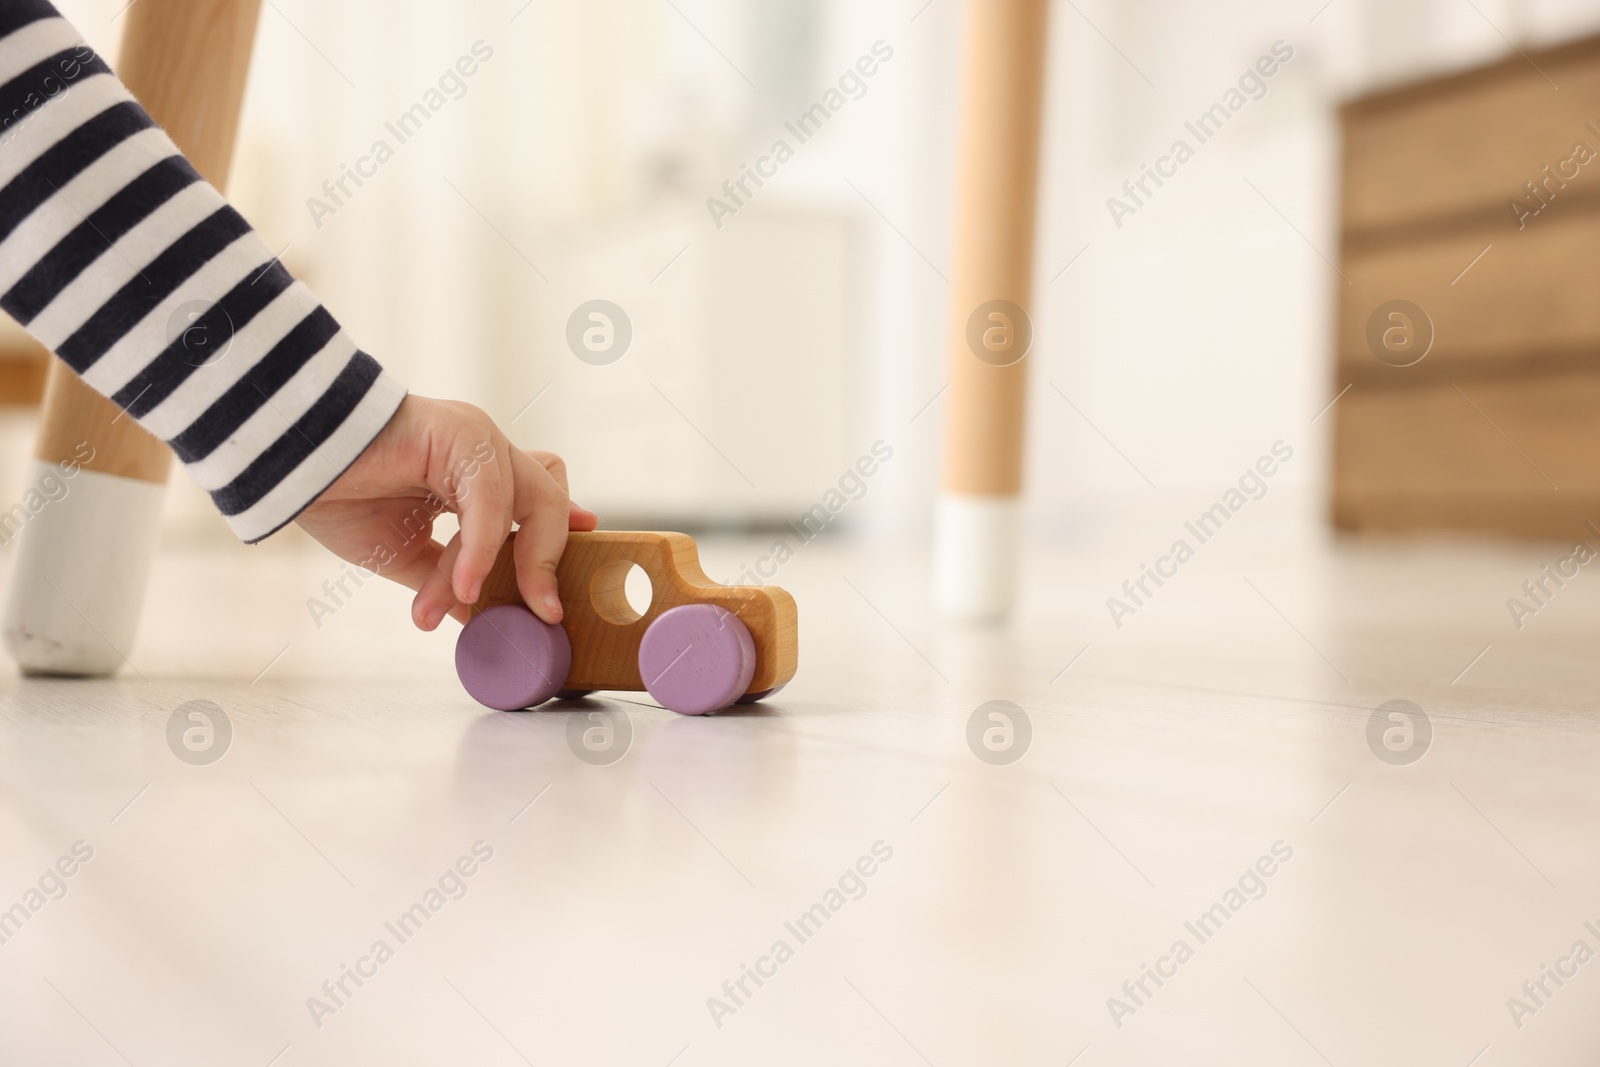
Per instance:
(508,658)
(697,658)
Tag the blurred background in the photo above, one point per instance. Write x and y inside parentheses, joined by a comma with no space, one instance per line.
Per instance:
(772,349)
(769,348)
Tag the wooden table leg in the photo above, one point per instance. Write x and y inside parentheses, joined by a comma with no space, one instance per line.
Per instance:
(83,561)
(991,297)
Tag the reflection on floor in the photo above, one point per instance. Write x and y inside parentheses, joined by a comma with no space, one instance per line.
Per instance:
(1206,852)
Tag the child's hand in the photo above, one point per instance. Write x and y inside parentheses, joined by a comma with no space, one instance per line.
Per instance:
(434,456)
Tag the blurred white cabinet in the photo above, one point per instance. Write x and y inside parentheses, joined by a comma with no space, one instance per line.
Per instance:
(729,404)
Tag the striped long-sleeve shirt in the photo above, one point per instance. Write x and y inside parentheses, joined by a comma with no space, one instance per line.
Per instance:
(116,255)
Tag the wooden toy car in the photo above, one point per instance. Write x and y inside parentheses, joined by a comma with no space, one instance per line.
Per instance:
(700,646)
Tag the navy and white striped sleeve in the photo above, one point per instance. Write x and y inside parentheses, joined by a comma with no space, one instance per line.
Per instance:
(116,255)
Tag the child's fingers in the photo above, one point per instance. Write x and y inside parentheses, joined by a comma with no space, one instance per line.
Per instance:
(578,516)
(552,463)
(483,502)
(436,596)
(415,567)
(542,511)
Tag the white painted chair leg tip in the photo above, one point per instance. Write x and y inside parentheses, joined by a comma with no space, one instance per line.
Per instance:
(78,580)
(40,655)
(975,557)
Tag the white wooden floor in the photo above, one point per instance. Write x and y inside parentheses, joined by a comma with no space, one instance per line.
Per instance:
(1222,727)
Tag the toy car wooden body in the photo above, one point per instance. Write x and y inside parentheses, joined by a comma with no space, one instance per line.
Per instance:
(699,647)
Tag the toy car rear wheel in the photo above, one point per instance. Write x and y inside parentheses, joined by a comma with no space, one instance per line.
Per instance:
(697,658)
(508,658)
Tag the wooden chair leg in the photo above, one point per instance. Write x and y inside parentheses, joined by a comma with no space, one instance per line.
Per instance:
(83,561)
(991,296)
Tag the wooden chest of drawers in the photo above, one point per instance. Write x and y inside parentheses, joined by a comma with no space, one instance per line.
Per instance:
(1468,327)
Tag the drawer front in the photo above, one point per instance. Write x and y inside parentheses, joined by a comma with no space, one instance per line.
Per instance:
(1532,298)
(1481,455)
(1468,144)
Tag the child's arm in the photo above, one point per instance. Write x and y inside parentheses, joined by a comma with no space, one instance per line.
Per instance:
(109,241)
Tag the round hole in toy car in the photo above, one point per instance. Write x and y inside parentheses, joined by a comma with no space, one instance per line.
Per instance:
(621,592)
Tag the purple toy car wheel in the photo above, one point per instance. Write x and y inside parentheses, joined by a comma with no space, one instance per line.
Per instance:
(697,658)
(507,658)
